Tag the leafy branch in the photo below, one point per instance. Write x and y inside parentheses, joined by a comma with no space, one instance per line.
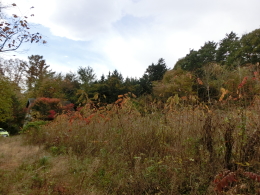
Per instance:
(15,30)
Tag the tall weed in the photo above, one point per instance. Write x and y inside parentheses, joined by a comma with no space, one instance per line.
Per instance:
(177,151)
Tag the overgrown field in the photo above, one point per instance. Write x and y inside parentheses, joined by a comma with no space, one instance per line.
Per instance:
(182,150)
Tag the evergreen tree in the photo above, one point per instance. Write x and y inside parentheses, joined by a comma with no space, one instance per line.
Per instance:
(70,86)
(146,86)
(155,72)
(190,62)
(227,49)
(102,79)
(207,53)
(250,47)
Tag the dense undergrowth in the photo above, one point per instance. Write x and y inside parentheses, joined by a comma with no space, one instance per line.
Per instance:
(185,150)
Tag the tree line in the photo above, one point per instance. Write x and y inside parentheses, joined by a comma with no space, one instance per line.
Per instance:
(231,51)
(34,78)
(227,70)
(217,69)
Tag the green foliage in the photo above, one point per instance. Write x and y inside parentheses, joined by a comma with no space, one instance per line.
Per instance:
(196,59)
(33,126)
(185,126)
(44,161)
(207,53)
(86,77)
(146,86)
(82,97)
(175,82)
(155,72)
(33,130)
(106,90)
(50,87)
(58,150)
(6,94)
(69,86)
(232,51)
(15,123)
(36,72)
(250,47)
(11,107)
(213,77)
(228,47)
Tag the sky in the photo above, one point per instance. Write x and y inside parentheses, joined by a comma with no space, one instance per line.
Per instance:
(129,35)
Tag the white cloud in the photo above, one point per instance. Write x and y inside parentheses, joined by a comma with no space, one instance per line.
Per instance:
(84,20)
(128,35)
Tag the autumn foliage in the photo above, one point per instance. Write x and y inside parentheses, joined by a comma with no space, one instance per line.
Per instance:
(15,30)
(195,131)
(48,108)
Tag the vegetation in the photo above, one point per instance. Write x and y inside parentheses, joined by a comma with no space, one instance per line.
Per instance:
(177,150)
(193,129)
(15,30)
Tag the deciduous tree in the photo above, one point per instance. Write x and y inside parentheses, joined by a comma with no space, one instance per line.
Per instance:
(174,82)
(15,30)
(14,70)
(6,94)
(86,77)
(36,71)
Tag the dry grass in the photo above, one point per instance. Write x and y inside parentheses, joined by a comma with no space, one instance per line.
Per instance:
(14,155)
(121,152)
(29,169)
(14,152)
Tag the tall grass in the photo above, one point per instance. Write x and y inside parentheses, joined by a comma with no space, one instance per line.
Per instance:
(164,152)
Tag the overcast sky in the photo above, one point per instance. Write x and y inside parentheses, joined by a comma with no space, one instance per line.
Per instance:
(130,35)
